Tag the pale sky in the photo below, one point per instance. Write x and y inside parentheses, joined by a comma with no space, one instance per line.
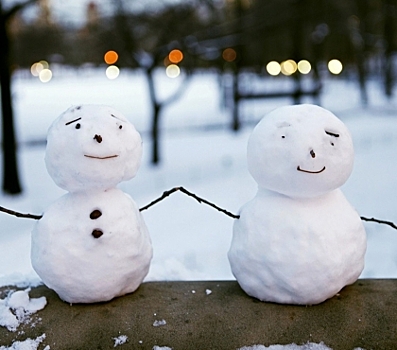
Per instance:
(74,11)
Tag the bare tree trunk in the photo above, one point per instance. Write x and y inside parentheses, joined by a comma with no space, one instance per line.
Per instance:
(389,35)
(156,134)
(236,100)
(11,182)
(155,116)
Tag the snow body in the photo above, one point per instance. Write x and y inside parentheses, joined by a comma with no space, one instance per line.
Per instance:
(82,268)
(298,241)
(92,244)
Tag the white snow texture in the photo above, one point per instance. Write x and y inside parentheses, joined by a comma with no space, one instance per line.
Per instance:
(17,308)
(307,346)
(120,340)
(27,344)
(298,241)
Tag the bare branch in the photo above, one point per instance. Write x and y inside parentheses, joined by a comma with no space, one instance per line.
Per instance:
(164,195)
(190,194)
(391,224)
(16,8)
(20,215)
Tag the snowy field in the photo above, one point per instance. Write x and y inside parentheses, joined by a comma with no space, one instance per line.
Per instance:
(191,240)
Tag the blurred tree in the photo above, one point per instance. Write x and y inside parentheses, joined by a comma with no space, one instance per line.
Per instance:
(11,183)
(37,42)
(147,38)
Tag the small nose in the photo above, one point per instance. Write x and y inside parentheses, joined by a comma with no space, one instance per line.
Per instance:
(98,138)
(312,154)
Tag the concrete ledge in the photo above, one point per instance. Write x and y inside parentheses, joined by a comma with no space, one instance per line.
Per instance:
(362,315)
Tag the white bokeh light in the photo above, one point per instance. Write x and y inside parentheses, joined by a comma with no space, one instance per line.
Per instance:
(335,66)
(288,67)
(45,75)
(273,68)
(304,67)
(172,71)
(112,72)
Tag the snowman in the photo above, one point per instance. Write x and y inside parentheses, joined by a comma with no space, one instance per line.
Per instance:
(298,241)
(92,245)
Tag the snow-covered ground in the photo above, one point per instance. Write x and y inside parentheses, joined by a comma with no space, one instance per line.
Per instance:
(191,240)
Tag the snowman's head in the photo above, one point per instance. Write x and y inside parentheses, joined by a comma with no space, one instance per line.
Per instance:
(92,147)
(300,151)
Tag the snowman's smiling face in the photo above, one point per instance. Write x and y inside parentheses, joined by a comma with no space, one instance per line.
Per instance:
(92,147)
(300,151)
(97,138)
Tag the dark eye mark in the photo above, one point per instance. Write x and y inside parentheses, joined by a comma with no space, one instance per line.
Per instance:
(331,133)
(283,137)
(78,126)
(115,117)
(72,121)
(120,127)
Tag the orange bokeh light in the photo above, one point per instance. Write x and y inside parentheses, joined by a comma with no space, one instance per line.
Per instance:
(229,55)
(111,57)
(175,56)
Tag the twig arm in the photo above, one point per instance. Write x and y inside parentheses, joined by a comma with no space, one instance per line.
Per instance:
(164,195)
(190,194)
(391,224)
(202,200)
(20,215)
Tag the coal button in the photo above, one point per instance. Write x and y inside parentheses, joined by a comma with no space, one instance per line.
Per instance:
(95,214)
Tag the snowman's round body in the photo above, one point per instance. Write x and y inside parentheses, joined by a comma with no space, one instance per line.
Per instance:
(298,241)
(92,244)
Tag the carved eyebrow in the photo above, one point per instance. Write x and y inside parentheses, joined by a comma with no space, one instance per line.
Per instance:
(115,117)
(72,121)
(331,133)
(283,125)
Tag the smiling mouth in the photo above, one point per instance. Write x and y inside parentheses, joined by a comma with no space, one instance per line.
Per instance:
(108,157)
(310,172)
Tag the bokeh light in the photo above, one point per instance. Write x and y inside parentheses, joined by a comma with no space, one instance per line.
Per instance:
(45,75)
(111,57)
(273,68)
(37,67)
(175,56)
(112,72)
(304,67)
(229,54)
(335,66)
(172,71)
(288,67)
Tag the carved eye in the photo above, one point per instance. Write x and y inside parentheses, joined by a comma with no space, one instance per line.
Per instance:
(120,127)
(283,137)
(78,126)
(332,134)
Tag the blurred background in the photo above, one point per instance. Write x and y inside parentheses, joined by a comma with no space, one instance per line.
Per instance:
(243,42)
(194,77)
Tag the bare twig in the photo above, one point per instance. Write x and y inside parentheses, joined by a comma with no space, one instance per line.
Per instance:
(190,194)
(392,224)
(164,195)
(20,215)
